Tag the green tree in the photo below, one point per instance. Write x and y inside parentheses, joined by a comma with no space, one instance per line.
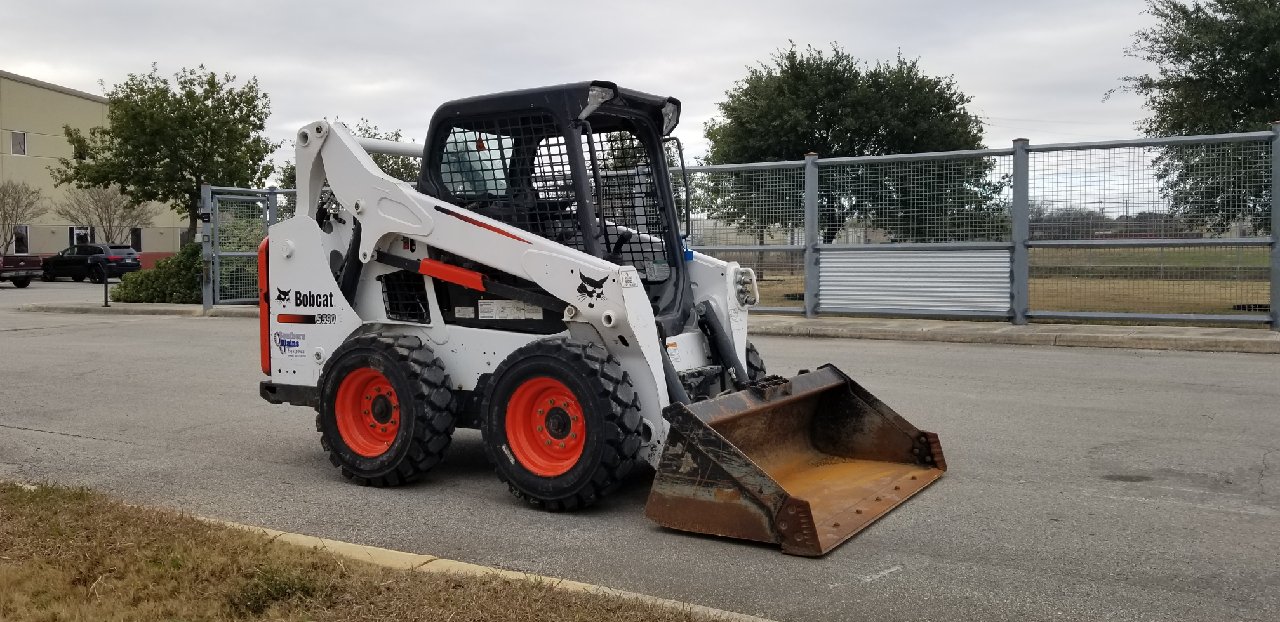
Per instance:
(166,138)
(1217,69)
(835,105)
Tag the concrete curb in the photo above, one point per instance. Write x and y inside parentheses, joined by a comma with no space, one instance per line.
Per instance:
(1193,339)
(429,563)
(1266,342)
(137,308)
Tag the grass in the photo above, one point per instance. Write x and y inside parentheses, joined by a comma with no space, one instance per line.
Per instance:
(1148,295)
(1067,293)
(71,554)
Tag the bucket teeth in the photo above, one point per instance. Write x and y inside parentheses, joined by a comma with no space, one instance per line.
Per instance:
(805,462)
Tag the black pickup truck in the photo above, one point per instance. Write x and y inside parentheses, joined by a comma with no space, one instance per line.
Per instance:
(20,269)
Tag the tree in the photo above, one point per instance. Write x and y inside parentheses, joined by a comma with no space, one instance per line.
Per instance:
(835,105)
(1217,66)
(20,203)
(165,139)
(110,213)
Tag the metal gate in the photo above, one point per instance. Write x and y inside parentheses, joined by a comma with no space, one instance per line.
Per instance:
(235,222)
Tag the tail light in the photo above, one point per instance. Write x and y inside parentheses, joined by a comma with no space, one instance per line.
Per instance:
(114,257)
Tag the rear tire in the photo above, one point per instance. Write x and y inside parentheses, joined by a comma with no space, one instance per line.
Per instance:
(22,282)
(575,448)
(97,275)
(386,410)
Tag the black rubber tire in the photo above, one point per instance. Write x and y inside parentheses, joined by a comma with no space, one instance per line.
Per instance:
(610,408)
(47,276)
(428,408)
(754,363)
(22,282)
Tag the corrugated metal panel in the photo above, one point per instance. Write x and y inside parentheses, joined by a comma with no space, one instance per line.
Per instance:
(932,280)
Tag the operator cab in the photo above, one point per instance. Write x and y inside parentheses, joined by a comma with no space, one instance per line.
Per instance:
(580,164)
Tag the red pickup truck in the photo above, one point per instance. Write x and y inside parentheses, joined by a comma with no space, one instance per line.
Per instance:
(19,269)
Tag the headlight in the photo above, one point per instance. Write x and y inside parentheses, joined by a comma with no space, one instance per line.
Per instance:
(744,281)
(596,95)
(670,117)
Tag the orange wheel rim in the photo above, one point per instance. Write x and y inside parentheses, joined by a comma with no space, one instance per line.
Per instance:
(545,426)
(367,412)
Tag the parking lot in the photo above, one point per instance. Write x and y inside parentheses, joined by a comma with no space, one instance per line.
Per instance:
(1084,483)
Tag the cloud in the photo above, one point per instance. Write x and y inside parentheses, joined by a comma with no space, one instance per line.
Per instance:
(1034,68)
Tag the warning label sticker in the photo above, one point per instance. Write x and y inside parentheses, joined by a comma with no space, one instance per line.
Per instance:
(464,312)
(508,310)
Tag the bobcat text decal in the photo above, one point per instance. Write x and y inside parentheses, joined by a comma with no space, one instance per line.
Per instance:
(304,299)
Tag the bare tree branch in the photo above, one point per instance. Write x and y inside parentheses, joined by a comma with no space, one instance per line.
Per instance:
(111,214)
(20,203)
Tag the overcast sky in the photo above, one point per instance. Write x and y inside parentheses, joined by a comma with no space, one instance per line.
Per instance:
(1035,68)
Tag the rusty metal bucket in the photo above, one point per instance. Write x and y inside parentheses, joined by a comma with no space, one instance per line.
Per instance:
(805,463)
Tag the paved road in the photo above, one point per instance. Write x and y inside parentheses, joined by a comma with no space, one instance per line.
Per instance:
(1085,484)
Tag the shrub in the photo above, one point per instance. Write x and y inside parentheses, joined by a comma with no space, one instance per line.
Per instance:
(175,279)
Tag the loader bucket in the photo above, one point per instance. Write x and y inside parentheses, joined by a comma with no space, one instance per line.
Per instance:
(805,463)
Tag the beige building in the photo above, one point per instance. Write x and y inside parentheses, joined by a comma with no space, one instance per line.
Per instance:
(32,114)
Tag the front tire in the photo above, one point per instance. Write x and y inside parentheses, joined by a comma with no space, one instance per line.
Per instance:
(561,423)
(22,282)
(386,410)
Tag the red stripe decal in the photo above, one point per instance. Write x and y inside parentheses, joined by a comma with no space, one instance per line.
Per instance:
(482,225)
(294,318)
(435,269)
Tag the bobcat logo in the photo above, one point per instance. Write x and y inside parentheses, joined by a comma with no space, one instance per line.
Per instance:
(282,295)
(591,289)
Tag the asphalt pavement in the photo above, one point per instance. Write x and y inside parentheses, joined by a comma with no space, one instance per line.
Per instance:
(1100,484)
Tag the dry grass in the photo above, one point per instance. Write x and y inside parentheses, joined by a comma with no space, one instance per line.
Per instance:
(76,555)
(1066,293)
(1149,295)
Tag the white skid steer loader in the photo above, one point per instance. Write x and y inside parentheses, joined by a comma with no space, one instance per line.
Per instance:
(534,284)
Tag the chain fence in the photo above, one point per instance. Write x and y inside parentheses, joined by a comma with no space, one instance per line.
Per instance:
(236,221)
(1178,226)
(1173,229)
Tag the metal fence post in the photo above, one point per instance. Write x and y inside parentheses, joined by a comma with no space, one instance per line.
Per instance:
(272,204)
(206,243)
(812,236)
(1275,227)
(1020,213)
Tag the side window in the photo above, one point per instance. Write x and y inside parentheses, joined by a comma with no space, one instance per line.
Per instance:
(552,177)
(89,251)
(18,143)
(21,239)
(474,164)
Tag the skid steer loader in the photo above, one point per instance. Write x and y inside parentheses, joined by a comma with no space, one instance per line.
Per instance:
(534,284)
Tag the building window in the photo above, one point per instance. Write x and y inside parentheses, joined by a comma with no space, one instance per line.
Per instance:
(79,234)
(19,143)
(135,239)
(21,239)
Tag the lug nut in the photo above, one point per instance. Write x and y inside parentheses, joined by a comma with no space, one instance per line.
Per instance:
(539,428)
(548,442)
(540,411)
